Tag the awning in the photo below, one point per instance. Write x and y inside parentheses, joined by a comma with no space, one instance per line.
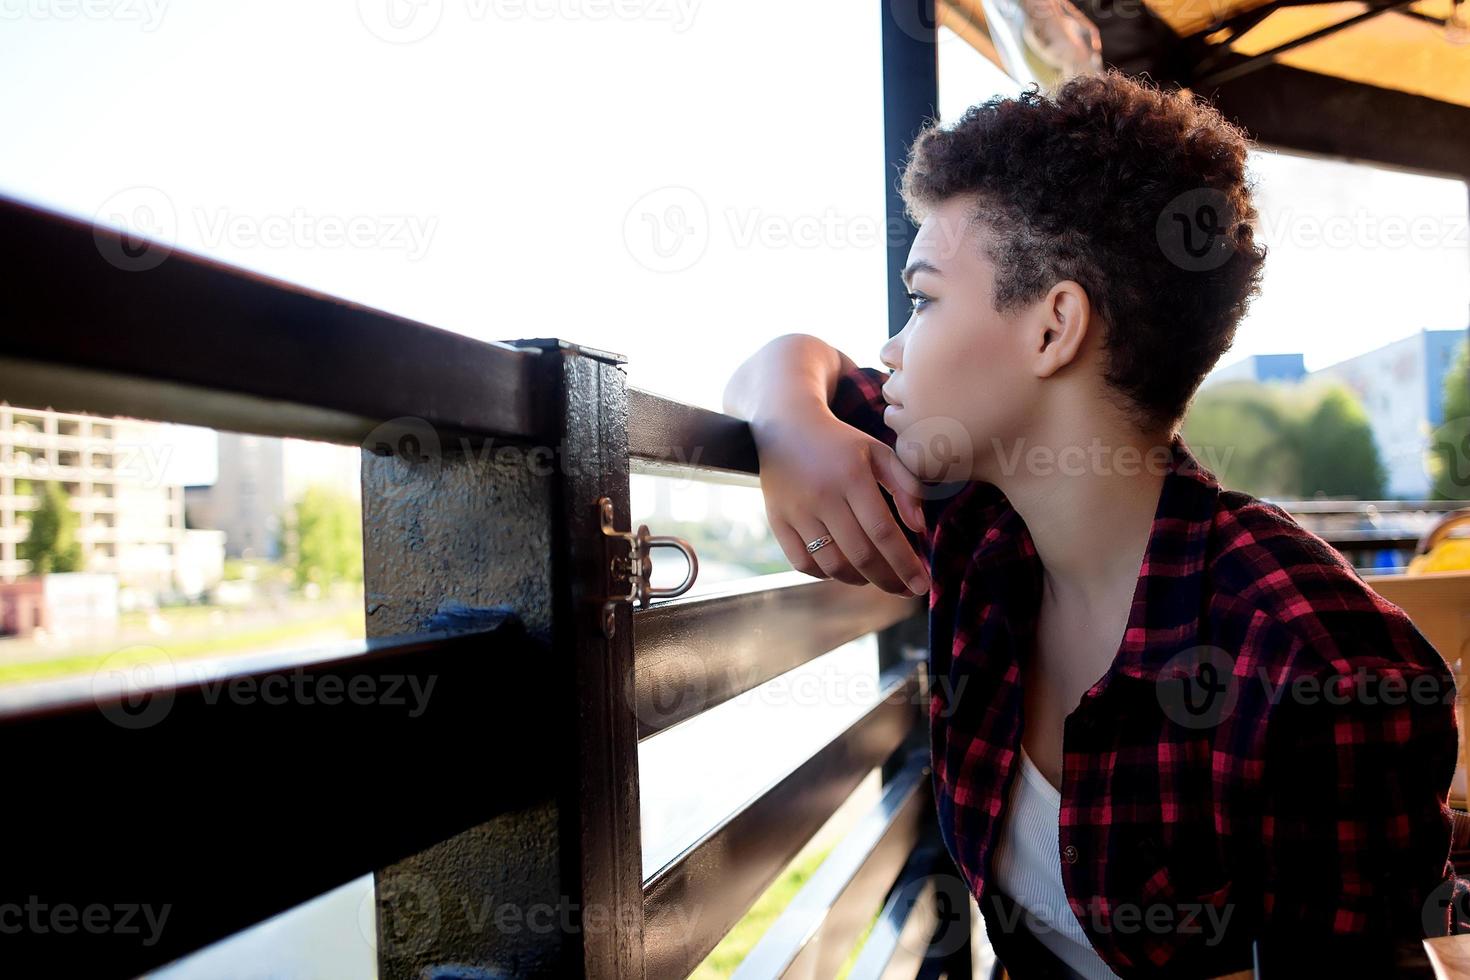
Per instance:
(1385,82)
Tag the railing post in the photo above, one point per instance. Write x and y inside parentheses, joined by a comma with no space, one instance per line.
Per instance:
(554,889)
(911,98)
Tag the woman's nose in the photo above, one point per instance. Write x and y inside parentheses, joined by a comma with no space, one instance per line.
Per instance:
(892,355)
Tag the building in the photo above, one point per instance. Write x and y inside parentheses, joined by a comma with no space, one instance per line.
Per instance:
(1259,367)
(258,478)
(247,497)
(114,470)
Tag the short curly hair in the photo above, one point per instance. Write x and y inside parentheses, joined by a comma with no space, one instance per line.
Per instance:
(1136,193)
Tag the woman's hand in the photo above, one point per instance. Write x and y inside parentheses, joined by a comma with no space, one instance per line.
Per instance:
(821,476)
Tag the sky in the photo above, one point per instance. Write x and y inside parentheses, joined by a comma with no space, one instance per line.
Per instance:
(545,169)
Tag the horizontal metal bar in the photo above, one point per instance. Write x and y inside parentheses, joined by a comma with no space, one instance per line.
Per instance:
(673,432)
(693,902)
(89,329)
(1347,540)
(1237,67)
(693,654)
(220,798)
(1360,507)
(902,936)
(818,929)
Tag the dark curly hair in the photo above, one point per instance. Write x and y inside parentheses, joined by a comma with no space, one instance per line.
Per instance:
(1136,193)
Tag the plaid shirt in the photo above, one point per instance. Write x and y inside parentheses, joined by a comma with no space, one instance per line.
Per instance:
(1268,757)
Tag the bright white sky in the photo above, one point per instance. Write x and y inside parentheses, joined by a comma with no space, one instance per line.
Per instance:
(604,179)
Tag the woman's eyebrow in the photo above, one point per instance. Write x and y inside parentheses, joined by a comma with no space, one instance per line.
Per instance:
(919,265)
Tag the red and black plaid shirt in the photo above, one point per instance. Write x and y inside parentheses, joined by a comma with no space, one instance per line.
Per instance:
(1268,757)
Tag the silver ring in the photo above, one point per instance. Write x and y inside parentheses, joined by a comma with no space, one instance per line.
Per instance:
(813,546)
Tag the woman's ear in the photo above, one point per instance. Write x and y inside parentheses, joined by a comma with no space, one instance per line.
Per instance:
(1063,319)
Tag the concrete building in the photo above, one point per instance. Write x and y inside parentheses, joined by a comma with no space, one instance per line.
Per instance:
(247,497)
(1259,367)
(130,518)
(258,478)
(1401,386)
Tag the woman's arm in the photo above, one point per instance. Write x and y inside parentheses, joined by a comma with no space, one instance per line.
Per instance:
(820,474)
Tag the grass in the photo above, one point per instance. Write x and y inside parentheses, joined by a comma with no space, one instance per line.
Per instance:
(88,661)
(741,939)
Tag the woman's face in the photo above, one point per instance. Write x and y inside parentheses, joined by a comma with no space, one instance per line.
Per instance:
(958,368)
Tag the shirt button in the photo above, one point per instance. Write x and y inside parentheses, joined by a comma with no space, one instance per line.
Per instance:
(1069,854)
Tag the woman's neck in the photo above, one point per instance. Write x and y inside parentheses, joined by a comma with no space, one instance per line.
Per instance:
(1089,504)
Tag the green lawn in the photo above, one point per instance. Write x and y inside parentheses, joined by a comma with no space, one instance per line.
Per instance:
(88,660)
(725,957)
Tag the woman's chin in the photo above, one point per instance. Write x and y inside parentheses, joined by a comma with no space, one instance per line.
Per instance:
(935,449)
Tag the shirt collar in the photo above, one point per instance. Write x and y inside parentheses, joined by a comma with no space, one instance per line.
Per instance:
(1168,601)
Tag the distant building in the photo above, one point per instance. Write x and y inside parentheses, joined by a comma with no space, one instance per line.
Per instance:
(130,518)
(246,499)
(1259,367)
(258,478)
(1401,387)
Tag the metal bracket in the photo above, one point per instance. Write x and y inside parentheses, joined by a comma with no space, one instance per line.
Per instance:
(637,565)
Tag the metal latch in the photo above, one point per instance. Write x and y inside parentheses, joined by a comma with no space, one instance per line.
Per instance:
(635,567)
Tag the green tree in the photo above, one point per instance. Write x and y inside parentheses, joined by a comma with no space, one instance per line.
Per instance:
(323,537)
(51,545)
(1243,432)
(1338,454)
(1278,440)
(1449,450)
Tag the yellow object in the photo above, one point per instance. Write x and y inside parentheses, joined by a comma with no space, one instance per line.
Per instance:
(1449,555)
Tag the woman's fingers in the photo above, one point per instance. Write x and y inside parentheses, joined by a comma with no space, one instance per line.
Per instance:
(892,555)
(831,556)
(867,545)
(792,544)
(898,480)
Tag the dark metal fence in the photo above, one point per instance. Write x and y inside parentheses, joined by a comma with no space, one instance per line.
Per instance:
(515,777)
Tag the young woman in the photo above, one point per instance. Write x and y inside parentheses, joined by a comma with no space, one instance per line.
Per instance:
(1171,728)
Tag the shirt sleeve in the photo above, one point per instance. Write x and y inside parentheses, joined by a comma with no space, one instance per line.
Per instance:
(1355,826)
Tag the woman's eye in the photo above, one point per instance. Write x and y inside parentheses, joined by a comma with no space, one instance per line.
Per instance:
(917,300)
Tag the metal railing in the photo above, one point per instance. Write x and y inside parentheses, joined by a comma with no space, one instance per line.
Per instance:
(517,777)
(1362,529)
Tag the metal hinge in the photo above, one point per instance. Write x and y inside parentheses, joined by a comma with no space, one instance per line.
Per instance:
(636,567)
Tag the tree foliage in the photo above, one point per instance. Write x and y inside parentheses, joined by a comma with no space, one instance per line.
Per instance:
(51,545)
(1282,440)
(1449,450)
(323,537)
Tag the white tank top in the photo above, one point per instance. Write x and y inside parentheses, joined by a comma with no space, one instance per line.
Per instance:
(1029,870)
